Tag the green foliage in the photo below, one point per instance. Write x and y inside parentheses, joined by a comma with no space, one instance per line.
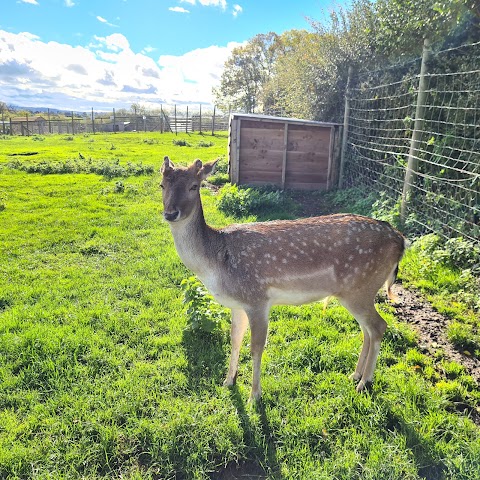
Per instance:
(241,202)
(180,142)
(3,201)
(219,179)
(357,200)
(204,144)
(220,176)
(204,314)
(107,169)
(465,337)
(439,272)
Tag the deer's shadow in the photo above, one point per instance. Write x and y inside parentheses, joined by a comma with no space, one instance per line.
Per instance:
(206,359)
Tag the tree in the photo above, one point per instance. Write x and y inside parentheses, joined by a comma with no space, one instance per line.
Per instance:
(246,72)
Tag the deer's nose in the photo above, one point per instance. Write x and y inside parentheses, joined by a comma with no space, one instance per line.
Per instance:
(171,217)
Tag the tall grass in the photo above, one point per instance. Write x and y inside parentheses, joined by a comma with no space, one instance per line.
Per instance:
(100,378)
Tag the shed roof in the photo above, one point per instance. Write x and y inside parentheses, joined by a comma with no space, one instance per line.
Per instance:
(268,118)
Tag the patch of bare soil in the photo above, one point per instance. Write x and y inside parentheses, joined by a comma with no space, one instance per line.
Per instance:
(431,327)
(243,471)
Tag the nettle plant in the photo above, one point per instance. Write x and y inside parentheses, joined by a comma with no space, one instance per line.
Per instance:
(203,313)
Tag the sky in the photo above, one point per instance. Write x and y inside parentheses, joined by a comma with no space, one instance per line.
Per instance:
(84,54)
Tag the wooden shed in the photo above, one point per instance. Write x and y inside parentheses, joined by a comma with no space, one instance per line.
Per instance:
(286,152)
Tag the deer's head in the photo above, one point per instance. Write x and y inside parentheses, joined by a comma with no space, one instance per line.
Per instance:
(181,188)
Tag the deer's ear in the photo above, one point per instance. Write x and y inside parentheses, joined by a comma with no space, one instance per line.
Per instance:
(167,166)
(207,169)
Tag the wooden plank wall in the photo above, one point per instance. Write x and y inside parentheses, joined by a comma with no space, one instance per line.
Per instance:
(289,155)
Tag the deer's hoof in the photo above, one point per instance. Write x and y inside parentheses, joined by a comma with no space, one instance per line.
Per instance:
(355,377)
(364,386)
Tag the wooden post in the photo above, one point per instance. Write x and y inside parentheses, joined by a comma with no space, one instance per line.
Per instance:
(11,126)
(49,125)
(213,120)
(3,122)
(114,121)
(175,119)
(73,126)
(285,151)
(200,119)
(186,122)
(412,164)
(161,119)
(346,120)
(28,127)
(93,123)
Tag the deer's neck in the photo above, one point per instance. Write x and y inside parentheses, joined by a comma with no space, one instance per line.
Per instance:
(196,242)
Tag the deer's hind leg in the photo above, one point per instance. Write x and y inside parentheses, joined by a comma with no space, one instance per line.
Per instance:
(237,332)
(373,327)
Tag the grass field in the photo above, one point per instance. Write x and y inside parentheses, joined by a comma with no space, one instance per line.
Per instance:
(99,378)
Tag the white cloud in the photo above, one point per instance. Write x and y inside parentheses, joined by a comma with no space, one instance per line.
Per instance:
(236,10)
(105,21)
(191,2)
(69,3)
(178,9)
(214,3)
(31,2)
(105,74)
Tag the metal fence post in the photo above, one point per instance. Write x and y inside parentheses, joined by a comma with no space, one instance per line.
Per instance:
(412,165)
(346,118)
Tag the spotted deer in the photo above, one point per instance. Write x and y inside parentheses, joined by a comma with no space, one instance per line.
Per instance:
(251,267)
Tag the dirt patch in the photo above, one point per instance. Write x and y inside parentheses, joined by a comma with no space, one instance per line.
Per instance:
(242,471)
(431,327)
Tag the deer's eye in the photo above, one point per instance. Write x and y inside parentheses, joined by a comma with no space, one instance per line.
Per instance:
(194,187)
(161,186)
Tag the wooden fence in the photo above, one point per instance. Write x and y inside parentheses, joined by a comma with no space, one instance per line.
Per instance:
(91,123)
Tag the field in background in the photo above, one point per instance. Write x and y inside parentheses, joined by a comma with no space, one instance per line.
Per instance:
(100,378)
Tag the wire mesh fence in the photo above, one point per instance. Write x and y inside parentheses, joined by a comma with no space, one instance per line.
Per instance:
(179,122)
(443,193)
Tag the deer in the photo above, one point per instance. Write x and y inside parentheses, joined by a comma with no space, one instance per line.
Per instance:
(251,267)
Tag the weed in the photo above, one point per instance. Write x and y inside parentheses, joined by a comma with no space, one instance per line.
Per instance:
(219,179)
(180,142)
(242,201)
(204,314)
(69,138)
(38,138)
(107,169)
(3,201)
(204,144)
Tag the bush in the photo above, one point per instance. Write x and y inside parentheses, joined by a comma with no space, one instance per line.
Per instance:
(219,179)
(102,167)
(204,314)
(241,202)
(204,144)
(180,142)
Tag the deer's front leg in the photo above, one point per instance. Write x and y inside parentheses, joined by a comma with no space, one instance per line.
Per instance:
(237,332)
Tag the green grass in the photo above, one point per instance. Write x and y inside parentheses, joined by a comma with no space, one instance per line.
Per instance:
(100,378)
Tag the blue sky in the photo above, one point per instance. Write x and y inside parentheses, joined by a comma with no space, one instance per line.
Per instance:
(83,54)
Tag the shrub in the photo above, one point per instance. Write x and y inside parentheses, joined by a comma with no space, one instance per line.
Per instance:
(241,202)
(219,179)
(204,144)
(3,203)
(180,142)
(102,167)
(204,314)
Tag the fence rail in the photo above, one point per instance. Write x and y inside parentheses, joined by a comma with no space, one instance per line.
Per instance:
(414,134)
(44,124)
